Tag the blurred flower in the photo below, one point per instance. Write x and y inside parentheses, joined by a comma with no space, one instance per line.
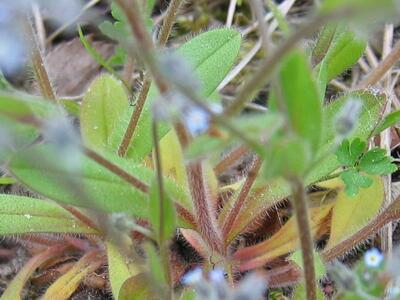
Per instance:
(193,276)
(217,275)
(373,258)
(347,117)
(252,287)
(196,120)
(179,71)
(13,51)
(14,46)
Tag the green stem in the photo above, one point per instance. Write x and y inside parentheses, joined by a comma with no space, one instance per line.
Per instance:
(161,237)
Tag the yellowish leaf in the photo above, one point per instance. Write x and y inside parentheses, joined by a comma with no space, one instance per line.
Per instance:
(284,241)
(66,285)
(172,161)
(350,214)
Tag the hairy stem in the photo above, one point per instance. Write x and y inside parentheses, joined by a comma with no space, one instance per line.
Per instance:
(140,185)
(163,37)
(169,21)
(203,210)
(306,242)
(241,199)
(42,77)
(130,130)
(389,214)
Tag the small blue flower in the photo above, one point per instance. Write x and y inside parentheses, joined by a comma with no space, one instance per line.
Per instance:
(217,275)
(373,258)
(196,120)
(192,277)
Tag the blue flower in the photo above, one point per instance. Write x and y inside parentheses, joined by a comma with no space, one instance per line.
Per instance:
(192,277)
(196,120)
(217,275)
(373,258)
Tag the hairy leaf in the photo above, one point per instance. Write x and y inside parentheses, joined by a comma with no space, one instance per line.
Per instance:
(21,215)
(102,107)
(66,285)
(168,212)
(301,98)
(265,193)
(118,269)
(350,214)
(90,185)
(211,55)
(136,288)
(15,287)
(281,243)
(390,120)
(337,49)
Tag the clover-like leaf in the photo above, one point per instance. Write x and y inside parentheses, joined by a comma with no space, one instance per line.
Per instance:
(376,162)
(354,180)
(348,152)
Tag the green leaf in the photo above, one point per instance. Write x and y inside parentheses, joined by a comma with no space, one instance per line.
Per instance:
(266,193)
(354,180)
(376,162)
(390,120)
(91,185)
(21,215)
(349,153)
(337,49)
(22,106)
(102,107)
(330,5)
(320,269)
(350,214)
(300,292)
(155,266)
(211,55)
(136,288)
(301,98)
(7,180)
(119,270)
(39,169)
(168,226)
(71,107)
(94,54)
(286,156)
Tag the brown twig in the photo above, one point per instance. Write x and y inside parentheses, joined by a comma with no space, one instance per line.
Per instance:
(306,242)
(380,71)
